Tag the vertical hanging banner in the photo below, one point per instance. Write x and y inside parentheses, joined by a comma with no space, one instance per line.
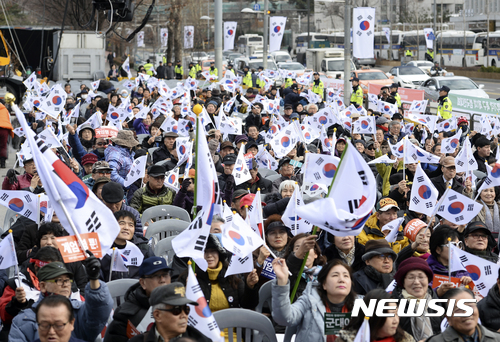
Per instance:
(276,30)
(229,33)
(429,37)
(164,37)
(362,37)
(387,32)
(188,37)
(140,39)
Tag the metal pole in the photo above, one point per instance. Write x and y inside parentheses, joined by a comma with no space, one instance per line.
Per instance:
(218,36)
(266,35)
(441,41)
(390,30)
(487,33)
(435,27)
(308,20)
(347,52)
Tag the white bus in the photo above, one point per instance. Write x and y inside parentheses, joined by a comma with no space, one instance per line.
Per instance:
(450,49)
(382,46)
(253,40)
(416,45)
(493,52)
(318,40)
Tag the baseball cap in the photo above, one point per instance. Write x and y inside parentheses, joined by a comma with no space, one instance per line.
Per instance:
(394,85)
(294,116)
(444,88)
(98,181)
(250,145)
(382,120)
(171,294)
(449,161)
(229,159)
(288,106)
(239,193)
(355,79)
(89,158)
(156,171)
(52,271)
(112,192)
(152,265)
(294,86)
(101,165)
(283,161)
(226,144)
(413,227)
(476,225)
(386,203)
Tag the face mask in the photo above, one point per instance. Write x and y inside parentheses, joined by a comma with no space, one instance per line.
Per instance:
(84,96)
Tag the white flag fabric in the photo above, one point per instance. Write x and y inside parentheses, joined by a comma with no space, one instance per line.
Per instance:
(387,108)
(364,125)
(255,214)
(239,238)
(424,119)
(352,197)
(320,168)
(324,117)
(200,317)
(229,34)
(326,142)
(24,203)
(172,179)
(483,272)
(50,139)
(465,160)
(383,160)
(73,113)
(449,145)
(8,255)
(188,37)
(447,125)
(387,32)
(140,39)
(458,208)
(164,37)
(137,171)
(95,85)
(398,148)
(363,334)
(285,141)
(393,228)
(170,125)
(239,265)
(290,217)
(363,24)
(276,31)
(493,178)
(424,194)
(131,255)
(87,212)
(117,262)
(19,132)
(429,37)
(455,264)
(54,102)
(414,154)
(126,67)
(241,173)
(94,122)
(418,106)
(30,81)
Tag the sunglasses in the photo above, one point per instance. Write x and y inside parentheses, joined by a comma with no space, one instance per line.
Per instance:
(176,311)
(370,148)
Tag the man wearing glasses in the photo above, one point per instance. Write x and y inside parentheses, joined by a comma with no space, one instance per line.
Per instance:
(170,313)
(99,169)
(447,178)
(134,312)
(91,316)
(479,241)
(155,192)
(55,320)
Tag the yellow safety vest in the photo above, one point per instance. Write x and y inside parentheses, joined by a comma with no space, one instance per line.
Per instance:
(214,72)
(198,67)
(288,82)
(149,68)
(444,110)
(318,89)
(192,72)
(431,53)
(247,80)
(260,84)
(398,99)
(179,70)
(164,59)
(357,96)
(409,53)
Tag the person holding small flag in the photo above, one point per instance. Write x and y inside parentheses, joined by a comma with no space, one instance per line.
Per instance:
(14,182)
(479,241)
(91,316)
(167,150)
(153,273)
(489,214)
(155,192)
(120,155)
(419,236)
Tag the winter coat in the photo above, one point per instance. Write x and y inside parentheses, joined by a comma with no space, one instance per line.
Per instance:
(371,231)
(438,268)
(163,154)
(145,198)
(331,252)
(133,309)
(77,147)
(184,199)
(23,182)
(139,127)
(91,316)
(150,336)
(133,271)
(451,335)
(275,204)
(350,335)
(265,185)
(489,309)
(120,160)
(364,283)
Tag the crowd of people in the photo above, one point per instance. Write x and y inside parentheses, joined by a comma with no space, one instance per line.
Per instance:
(50,300)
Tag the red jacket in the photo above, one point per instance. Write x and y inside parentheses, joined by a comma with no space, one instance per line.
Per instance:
(23,182)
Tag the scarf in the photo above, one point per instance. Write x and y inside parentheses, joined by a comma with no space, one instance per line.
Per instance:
(422,255)
(349,257)
(311,274)
(279,254)
(493,223)
(420,326)
(382,279)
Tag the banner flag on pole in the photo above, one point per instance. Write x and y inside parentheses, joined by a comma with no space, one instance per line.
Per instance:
(229,34)
(276,30)
(363,26)
(188,37)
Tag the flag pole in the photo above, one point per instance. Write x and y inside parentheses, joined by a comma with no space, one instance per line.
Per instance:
(436,208)
(111,264)
(315,229)
(38,211)
(197,109)
(449,260)
(404,155)
(72,224)
(296,198)
(14,251)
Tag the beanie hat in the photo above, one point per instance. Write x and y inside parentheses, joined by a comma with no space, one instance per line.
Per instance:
(412,264)
(377,247)
(413,227)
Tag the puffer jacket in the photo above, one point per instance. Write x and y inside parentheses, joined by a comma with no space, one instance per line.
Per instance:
(145,198)
(451,335)
(23,182)
(91,316)
(120,160)
(489,309)
(372,231)
(134,309)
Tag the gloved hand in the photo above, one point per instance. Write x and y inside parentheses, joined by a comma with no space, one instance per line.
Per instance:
(230,182)
(12,176)
(185,184)
(282,204)
(92,266)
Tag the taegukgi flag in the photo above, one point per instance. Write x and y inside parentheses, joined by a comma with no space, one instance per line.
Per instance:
(229,34)
(363,26)
(188,37)
(387,32)
(276,31)
(164,36)
(429,37)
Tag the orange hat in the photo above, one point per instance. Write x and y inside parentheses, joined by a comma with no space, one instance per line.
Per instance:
(192,173)
(413,227)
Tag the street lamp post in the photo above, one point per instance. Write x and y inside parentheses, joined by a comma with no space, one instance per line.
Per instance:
(347,52)
(266,34)
(218,36)
(207,18)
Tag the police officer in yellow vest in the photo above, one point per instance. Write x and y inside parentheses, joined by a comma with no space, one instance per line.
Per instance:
(429,55)
(394,93)
(318,87)
(149,68)
(444,103)
(357,93)
(198,67)
(247,79)
(408,53)
(260,84)
(288,82)
(192,70)
(179,70)
(164,60)
(213,69)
